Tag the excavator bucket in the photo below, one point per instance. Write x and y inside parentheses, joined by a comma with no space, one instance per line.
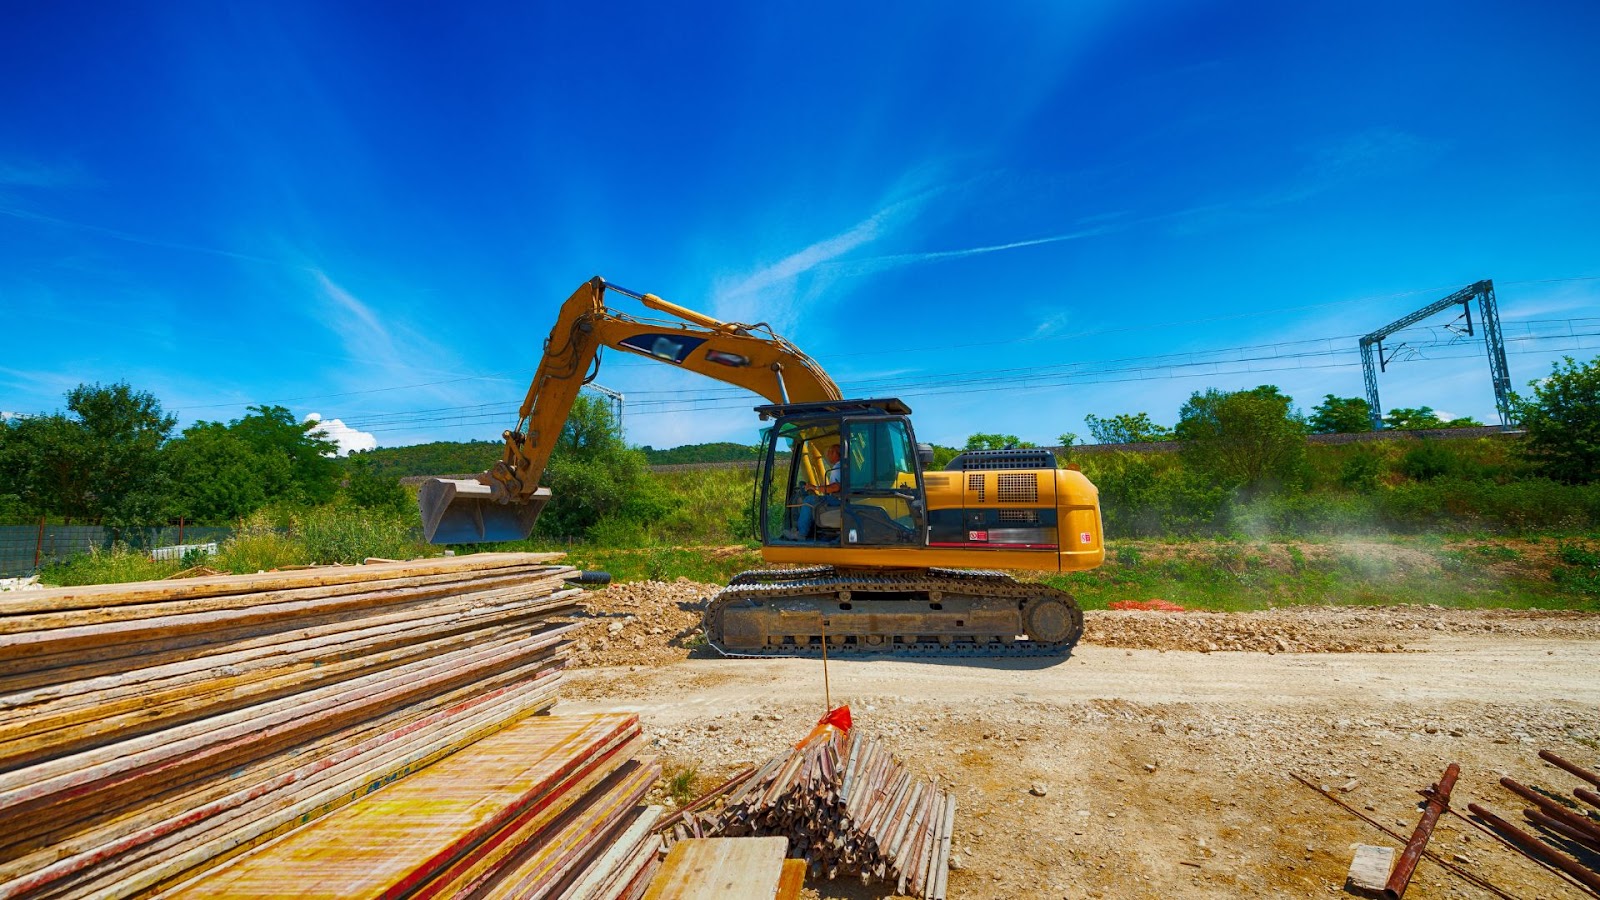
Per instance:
(466,512)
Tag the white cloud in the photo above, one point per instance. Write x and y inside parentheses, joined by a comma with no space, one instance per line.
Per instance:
(7,415)
(348,439)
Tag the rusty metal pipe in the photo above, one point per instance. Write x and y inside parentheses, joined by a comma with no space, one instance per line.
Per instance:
(1574,768)
(1553,809)
(1544,820)
(1438,802)
(1538,849)
(1587,796)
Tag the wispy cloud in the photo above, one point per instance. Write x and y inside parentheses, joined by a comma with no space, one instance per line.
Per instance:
(1365,151)
(16,211)
(1331,165)
(24,174)
(771,293)
(880,263)
(1053,324)
(374,341)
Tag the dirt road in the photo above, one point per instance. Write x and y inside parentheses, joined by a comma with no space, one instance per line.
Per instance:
(1165,773)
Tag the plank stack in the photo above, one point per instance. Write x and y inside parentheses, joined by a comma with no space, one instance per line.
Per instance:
(847,807)
(150,732)
(548,807)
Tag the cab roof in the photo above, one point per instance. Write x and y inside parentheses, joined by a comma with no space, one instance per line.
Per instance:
(879,406)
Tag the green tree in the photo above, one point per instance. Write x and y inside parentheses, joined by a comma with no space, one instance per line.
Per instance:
(99,462)
(593,476)
(312,470)
(368,489)
(998,442)
(1562,419)
(1126,428)
(1340,415)
(1250,439)
(217,476)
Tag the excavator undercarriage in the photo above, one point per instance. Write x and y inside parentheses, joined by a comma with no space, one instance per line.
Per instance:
(900,612)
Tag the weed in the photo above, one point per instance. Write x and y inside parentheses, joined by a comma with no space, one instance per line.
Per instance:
(1582,572)
(346,534)
(118,565)
(680,783)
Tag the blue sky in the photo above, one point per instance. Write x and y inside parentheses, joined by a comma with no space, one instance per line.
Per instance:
(370,211)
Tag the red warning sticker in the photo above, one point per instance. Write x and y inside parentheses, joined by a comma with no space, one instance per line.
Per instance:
(1086,538)
(977,535)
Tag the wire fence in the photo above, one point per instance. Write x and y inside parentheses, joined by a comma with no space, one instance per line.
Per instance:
(26,548)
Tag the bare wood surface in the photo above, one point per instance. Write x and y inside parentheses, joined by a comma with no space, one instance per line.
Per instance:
(423,585)
(104,595)
(747,868)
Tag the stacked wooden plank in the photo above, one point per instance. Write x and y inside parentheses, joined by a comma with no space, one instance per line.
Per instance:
(748,868)
(149,731)
(847,807)
(548,807)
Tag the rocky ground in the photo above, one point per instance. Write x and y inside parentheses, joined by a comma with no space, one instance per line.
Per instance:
(1163,745)
(654,622)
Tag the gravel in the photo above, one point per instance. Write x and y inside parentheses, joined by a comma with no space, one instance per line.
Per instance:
(655,622)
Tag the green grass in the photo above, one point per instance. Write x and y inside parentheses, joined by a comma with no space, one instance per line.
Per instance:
(115,566)
(680,783)
(1224,575)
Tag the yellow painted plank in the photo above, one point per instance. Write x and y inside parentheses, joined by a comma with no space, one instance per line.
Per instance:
(746,868)
(389,843)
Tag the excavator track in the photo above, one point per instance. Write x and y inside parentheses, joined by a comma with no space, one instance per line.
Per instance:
(906,613)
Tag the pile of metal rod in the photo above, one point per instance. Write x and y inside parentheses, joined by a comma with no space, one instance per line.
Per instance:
(1566,836)
(847,807)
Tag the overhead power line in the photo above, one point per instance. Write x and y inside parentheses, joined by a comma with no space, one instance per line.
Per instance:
(488,414)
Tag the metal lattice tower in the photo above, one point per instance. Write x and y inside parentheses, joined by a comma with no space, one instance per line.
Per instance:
(1488,313)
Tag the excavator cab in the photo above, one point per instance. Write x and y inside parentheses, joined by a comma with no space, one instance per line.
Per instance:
(878,499)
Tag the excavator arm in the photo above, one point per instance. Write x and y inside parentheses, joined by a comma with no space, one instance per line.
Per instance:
(504,502)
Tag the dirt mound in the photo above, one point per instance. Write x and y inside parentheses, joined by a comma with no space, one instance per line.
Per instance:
(1209,632)
(641,623)
(1324,629)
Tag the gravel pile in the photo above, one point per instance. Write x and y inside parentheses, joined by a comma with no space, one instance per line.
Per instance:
(641,623)
(1324,629)
(1209,632)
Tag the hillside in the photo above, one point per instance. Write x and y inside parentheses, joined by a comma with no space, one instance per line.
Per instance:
(437,458)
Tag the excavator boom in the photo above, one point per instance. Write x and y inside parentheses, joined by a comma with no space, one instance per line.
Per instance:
(503,503)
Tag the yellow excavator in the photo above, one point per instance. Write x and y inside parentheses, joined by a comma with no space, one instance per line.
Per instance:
(880,554)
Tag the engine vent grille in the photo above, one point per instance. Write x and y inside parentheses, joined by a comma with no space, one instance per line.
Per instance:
(1019,516)
(975,484)
(1017,488)
(971,460)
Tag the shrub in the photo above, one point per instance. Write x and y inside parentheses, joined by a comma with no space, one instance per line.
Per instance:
(342,534)
(1427,461)
(115,566)
(1563,422)
(1251,439)
(259,545)
(1582,572)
